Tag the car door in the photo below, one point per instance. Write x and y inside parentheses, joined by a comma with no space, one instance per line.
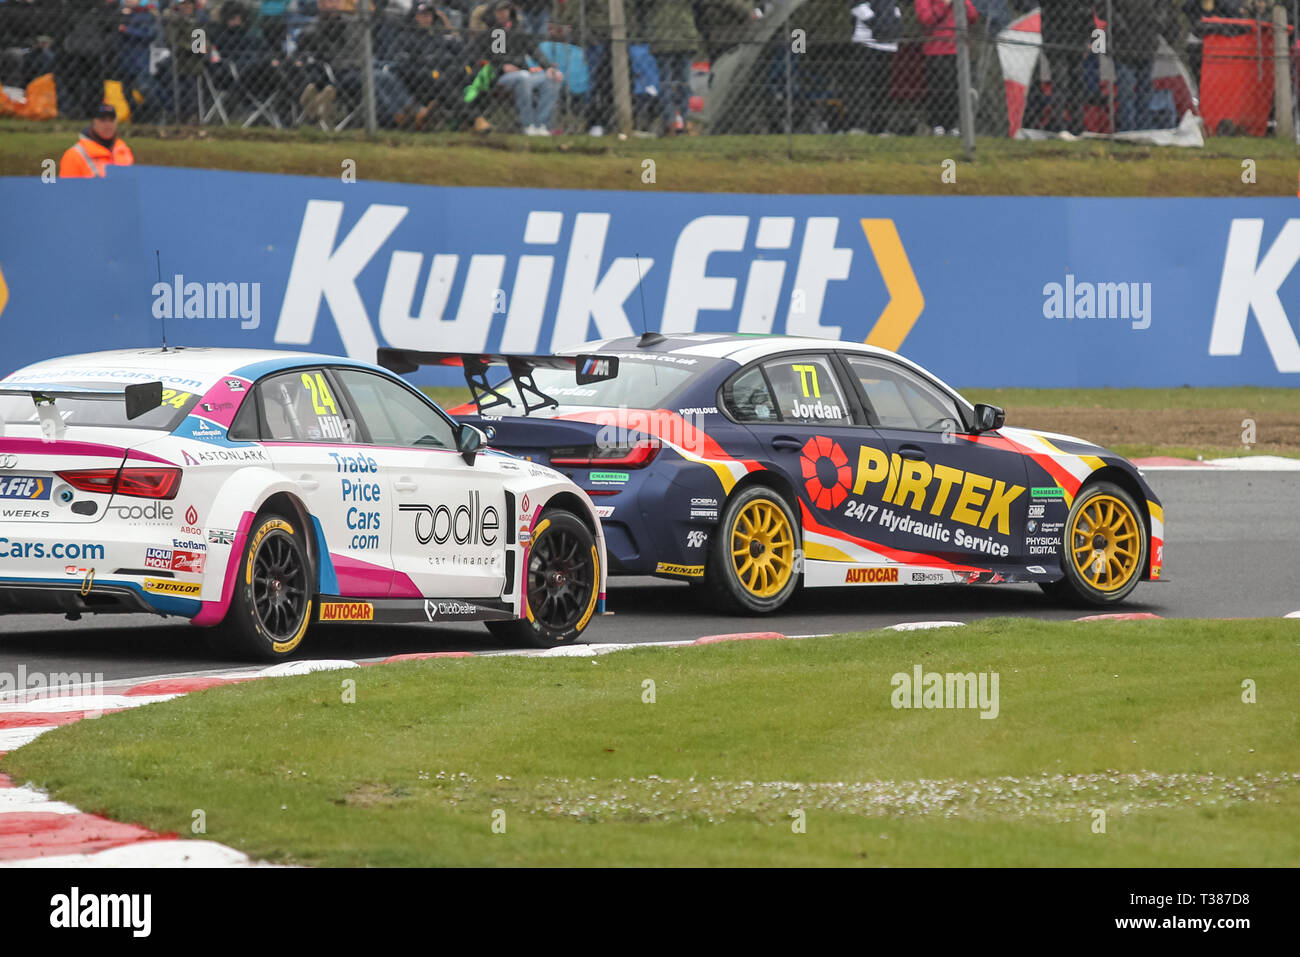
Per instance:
(801,415)
(311,436)
(448,531)
(948,492)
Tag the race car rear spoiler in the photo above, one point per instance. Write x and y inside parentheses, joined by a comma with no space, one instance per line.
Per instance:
(586,368)
(140,397)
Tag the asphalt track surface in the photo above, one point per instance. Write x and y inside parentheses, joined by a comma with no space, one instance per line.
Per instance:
(1233,540)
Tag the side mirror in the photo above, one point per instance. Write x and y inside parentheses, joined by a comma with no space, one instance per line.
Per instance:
(989,417)
(468,441)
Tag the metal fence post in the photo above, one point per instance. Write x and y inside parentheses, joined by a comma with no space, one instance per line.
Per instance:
(618,64)
(789,86)
(367,68)
(1282,76)
(1114,65)
(176,82)
(965,112)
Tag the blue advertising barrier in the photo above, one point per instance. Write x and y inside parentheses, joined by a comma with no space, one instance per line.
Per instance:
(991,291)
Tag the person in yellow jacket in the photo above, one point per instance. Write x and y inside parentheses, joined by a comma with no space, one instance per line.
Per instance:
(98,147)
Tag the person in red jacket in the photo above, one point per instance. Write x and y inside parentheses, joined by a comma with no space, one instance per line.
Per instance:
(938,20)
(97,148)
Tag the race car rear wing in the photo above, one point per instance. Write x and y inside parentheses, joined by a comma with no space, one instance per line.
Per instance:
(586,368)
(140,397)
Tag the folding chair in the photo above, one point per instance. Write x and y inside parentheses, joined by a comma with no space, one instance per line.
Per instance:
(262,105)
(351,109)
(204,82)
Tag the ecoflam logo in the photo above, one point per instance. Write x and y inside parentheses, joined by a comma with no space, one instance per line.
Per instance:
(326,266)
(1251,284)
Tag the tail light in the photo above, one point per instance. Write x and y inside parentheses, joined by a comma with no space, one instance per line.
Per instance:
(636,456)
(140,483)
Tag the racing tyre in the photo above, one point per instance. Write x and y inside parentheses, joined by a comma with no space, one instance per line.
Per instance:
(272,604)
(562,586)
(752,565)
(1103,548)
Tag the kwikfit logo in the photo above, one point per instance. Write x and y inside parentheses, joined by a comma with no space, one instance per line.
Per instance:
(1251,283)
(327,263)
(212,300)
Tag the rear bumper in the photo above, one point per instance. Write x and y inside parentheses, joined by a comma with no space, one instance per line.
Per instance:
(31,596)
(114,567)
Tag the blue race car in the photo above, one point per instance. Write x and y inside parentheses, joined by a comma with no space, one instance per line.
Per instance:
(749,464)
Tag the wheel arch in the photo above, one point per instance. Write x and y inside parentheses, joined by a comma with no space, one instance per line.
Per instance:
(284,502)
(777,482)
(1129,483)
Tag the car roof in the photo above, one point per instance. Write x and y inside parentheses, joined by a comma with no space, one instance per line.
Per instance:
(196,365)
(744,348)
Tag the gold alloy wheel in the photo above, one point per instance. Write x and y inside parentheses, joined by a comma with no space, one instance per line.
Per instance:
(762,548)
(1105,543)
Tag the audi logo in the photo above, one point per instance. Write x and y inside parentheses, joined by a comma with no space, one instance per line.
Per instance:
(8,460)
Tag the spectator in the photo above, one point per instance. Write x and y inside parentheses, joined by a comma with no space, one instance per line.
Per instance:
(39,60)
(535,16)
(723,23)
(137,31)
(89,55)
(877,25)
(179,24)
(1067,35)
(938,21)
(98,147)
(241,55)
(337,40)
(536,86)
(674,41)
(1135,36)
(428,57)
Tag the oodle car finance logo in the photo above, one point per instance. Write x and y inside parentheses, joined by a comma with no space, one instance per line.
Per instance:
(965,497)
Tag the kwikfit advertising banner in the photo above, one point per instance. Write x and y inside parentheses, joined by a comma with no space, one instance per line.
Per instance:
(984,291)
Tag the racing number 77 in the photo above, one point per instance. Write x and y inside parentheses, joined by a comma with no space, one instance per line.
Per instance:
(807,373)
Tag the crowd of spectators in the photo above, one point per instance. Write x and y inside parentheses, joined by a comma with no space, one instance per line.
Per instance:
(454,64)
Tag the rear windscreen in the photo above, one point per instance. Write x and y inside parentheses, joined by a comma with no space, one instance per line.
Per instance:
(640,384)
(110,412)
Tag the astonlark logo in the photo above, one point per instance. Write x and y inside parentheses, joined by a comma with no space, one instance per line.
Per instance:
(75,909)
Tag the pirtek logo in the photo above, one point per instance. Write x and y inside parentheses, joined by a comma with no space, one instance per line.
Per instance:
(871,576)
(347,611)
(326,267)
(913,484)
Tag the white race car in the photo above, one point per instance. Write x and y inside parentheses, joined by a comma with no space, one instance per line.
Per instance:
(266,491)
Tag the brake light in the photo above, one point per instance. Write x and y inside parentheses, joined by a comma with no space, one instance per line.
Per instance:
(140,483)
(637,456)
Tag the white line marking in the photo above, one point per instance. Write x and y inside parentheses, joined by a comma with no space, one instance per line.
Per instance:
(27,800)
(85,702)
(11,739)
(148,854)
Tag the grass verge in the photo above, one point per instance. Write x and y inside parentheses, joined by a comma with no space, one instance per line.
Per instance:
(1142,720)
(727,164)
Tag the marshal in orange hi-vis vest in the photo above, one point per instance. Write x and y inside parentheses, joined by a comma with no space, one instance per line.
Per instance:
(87,158)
